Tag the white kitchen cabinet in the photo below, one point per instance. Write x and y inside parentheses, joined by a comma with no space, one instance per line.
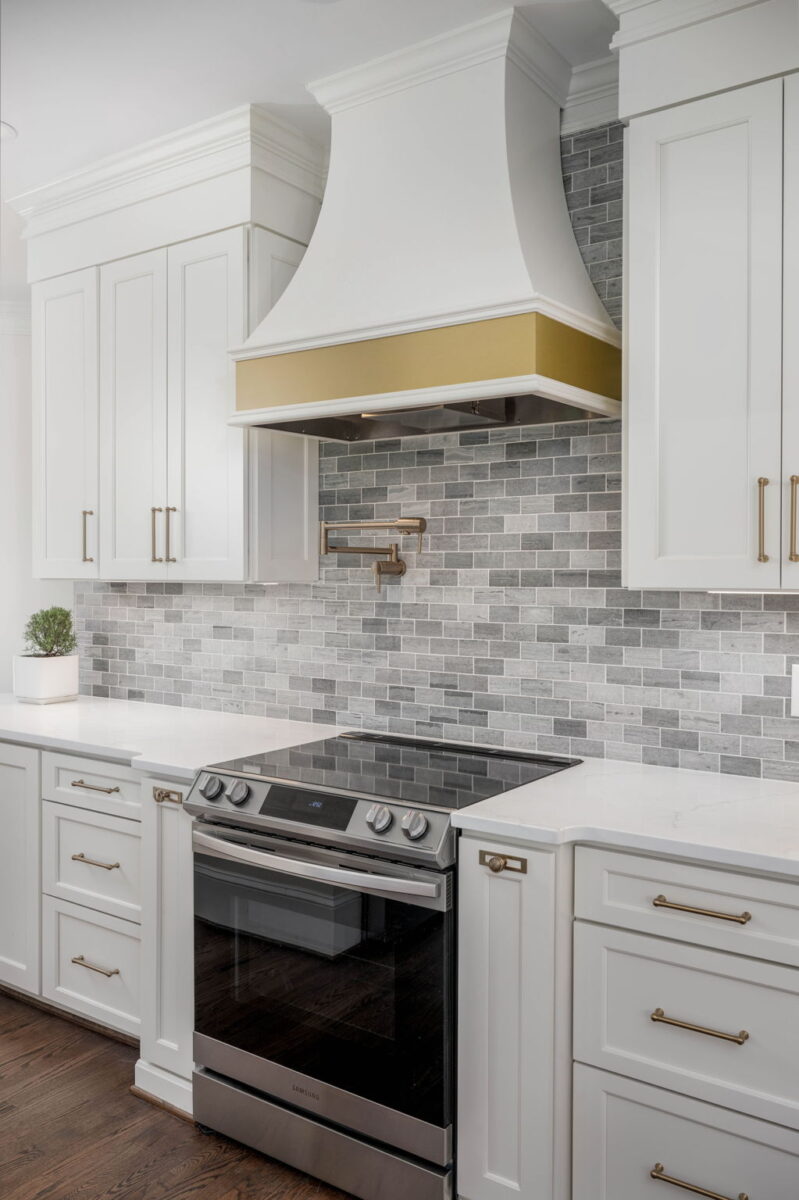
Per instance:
(790,340)
(65,453)
(20,872)
(166,1062)
(703,328)
(273,261)
(513,1102)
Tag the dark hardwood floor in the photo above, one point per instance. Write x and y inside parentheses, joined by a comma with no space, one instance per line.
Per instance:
(71,1130)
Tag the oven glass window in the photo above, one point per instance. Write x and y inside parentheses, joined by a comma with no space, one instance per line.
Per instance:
(350,989)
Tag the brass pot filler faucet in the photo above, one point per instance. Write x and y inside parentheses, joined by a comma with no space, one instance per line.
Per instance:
(392,564)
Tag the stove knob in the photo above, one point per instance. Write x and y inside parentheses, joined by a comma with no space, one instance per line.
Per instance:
(211,787)
(379,818)
(415,825)
(238,792)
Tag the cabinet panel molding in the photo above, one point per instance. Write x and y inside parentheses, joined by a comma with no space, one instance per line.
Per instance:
(20,874)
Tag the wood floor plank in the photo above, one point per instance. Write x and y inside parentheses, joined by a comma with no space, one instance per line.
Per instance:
(71,1130)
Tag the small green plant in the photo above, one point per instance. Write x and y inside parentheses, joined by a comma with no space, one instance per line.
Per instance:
(49,633)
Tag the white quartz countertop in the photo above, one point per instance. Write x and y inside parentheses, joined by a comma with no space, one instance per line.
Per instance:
(716,818)
(154,738)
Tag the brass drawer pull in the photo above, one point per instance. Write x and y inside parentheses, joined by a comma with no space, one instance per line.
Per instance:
(739,918)
(168,554)
(161,795)
(738,1038)
(659,1172)
(793,554)
(762,484)
(80,961)
(153,547)
(87,512)
(502,862)
(93,787)
(93,862)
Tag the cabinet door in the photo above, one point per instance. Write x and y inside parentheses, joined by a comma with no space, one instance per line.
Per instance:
(65,512)
(206,475)
(790,341)
(703,334)
(20,874)
(133,417)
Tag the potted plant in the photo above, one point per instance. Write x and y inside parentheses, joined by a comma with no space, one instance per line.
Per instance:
(48,673)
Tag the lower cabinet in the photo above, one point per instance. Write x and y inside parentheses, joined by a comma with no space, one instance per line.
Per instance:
(19,870)
(631,1138)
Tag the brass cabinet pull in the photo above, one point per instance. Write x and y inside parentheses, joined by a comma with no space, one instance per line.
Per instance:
(738,1038)
(80,961)
(739,918)
(168,555)
(153,518)
(163,795)
(93,787)
(93,862)
(87,512)
(762,484)
(502,862)
(793,553)
(659,1172)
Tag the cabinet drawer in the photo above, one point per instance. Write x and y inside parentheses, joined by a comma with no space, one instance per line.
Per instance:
(621,979)
(88,783)
(623,1131)
(621,889)
(90,963)
(92,858)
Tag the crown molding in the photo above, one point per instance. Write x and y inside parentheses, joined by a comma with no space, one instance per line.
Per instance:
(645,19)
(247,136)
(506,35)
(15,317)
(593,96)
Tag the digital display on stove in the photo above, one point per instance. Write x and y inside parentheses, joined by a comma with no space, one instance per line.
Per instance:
(310,808)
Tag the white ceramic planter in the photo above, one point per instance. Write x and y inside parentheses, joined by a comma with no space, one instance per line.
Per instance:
(45,680)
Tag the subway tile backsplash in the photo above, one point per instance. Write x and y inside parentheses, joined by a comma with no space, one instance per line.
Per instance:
(511,628)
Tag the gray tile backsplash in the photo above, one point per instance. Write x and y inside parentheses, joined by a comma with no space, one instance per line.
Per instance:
(511,628)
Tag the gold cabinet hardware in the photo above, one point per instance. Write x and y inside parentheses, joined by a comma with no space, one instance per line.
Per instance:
(739,1038)
(168,553)
(93,787)
(93,862)
(80,961)
(163,795)
(87,512)
(659,1172)
(153,534)
(793,554)
(762,484)
(739,918)
(502,862)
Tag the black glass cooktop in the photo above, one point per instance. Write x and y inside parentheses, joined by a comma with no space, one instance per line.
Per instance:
(434,774)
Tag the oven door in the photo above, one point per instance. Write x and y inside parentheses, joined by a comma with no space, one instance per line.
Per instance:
(326,979)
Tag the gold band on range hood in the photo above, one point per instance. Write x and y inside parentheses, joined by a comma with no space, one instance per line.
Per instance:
(497,348)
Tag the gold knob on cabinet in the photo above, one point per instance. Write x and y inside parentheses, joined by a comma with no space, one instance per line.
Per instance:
(497,863)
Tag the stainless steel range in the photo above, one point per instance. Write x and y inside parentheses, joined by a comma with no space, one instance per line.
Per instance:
(325,953)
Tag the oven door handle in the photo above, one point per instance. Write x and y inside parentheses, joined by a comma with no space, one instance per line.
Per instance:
(360,881)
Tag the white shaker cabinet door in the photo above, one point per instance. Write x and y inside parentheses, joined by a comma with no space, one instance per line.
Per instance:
(703,334)
(133,417)
(790,342)
(206,514)
(20,901)
(65,507)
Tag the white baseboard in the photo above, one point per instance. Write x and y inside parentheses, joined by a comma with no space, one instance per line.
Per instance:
(163,1085)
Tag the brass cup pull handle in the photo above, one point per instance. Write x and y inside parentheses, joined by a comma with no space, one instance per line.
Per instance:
(738,1038)
(80,961)
(762,484)
(93,862)
(163,795)
(497,863)
(793,554)
(93,787)
(738,918)
(154,535)
(168,552)
(87,512)
(659,1172)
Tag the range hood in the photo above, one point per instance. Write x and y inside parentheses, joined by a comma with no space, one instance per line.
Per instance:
(442,287)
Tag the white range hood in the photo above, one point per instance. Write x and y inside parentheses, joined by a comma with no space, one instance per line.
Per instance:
(443,270)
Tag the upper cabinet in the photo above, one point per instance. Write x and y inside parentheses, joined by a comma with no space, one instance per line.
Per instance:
(137,473)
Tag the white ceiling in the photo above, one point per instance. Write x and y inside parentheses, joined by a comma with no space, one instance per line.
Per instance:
(86,78)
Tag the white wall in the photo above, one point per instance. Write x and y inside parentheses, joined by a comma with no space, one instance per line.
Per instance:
(20,594)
